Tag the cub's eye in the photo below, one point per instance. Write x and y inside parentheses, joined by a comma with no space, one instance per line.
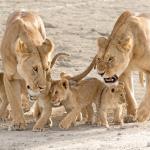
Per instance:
(35,69)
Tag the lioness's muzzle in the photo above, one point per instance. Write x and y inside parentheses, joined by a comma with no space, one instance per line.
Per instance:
(112,79)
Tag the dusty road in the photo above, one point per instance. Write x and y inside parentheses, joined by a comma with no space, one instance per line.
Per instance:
(74,26)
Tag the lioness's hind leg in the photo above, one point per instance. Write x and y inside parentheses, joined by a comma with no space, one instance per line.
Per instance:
(143,112)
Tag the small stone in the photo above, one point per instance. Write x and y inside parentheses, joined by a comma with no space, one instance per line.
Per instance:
(148,144)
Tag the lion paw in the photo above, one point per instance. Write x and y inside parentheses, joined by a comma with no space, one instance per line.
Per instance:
(88,122)
(143,112)
(64,124)
(38,129)
(3,119)
(129,119)
(17,127)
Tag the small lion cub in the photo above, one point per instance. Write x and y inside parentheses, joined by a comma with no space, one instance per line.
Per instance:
(41,110)
(112,98)
(75,97)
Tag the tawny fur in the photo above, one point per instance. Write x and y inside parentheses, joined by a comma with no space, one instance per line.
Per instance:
(76,97)
(125,50)
(23,40)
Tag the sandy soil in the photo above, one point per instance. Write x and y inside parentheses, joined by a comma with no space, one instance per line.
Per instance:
(74,27)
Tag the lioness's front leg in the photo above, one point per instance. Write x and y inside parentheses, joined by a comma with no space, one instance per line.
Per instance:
(70,118)
(143,112)
(12,88)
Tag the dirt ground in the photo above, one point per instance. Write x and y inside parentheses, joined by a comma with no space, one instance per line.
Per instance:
(74,26)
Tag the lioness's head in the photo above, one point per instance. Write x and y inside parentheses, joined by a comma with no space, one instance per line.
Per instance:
(113,56)
(33,65)
(118,93)
(59,91)
(115,53)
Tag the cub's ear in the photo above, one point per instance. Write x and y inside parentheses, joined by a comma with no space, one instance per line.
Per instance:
(125,44)
(65,83)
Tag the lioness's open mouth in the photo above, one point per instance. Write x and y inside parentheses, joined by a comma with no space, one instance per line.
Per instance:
(112,79)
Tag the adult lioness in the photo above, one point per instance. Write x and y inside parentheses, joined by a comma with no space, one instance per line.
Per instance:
(24,59)
(125,50)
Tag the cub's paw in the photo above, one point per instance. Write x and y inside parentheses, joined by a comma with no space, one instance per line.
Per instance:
(38,129)
(143,112)
(89,122)
(99,124)
(64,124)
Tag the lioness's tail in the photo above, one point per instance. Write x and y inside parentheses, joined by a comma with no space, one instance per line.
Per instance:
(56,57)
(85,72)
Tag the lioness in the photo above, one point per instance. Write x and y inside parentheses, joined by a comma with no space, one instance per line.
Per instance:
(76,97)
(125,50)
(25,52)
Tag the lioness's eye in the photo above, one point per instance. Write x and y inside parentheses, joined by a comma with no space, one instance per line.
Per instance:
(35,69)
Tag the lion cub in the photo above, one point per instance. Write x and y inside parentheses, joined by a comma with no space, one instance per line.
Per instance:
(76,97)
(41,110)
(111,98)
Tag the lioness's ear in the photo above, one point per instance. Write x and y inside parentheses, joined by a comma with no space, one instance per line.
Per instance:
(125,44)
(47,46)
(65,84)
(21,48)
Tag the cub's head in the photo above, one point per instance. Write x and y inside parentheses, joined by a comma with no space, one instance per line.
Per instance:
(118,93)
(33,65)
(59,91)
(114,55)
